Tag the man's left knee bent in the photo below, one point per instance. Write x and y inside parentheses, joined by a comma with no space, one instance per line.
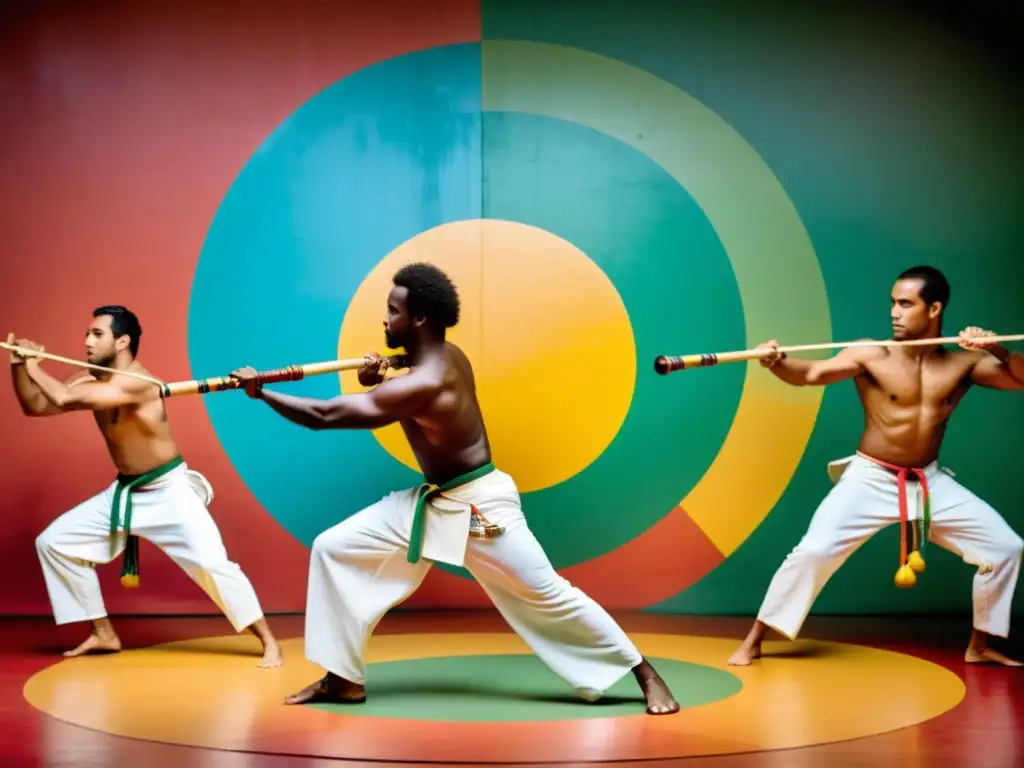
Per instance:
(336,541)
(323,544)
(1012,550)
(46,544)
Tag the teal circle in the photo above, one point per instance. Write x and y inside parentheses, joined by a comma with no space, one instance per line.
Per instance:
(402,147)
(516,688)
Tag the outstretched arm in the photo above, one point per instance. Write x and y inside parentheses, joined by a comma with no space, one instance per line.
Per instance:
(846,364)
(88,394)
(394,399)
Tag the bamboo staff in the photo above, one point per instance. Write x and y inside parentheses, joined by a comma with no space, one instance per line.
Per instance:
(664,364)
(216,383)
(26,352)
(290,373)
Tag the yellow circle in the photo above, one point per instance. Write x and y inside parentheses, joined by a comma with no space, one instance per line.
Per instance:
(213,695)
(549,337)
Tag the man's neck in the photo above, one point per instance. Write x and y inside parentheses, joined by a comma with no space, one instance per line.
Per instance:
(922,350)
(119,363)
(424,348)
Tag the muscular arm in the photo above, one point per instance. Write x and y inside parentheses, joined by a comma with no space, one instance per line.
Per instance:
(89,395)
(845,365)
(32,399)
(394,399)
(999,369)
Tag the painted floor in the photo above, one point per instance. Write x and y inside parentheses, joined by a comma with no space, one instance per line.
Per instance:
(461,688)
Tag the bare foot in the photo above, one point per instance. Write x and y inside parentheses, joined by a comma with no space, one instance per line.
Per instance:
(989,656)
(659,698)
(96,644)
(329,689)
(744,655)
(273,656)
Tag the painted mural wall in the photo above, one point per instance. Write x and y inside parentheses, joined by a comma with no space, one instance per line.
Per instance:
(605,185)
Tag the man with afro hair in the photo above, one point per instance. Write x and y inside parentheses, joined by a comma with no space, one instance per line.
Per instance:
(466,513)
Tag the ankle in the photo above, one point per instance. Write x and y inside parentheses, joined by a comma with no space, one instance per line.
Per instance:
(337,682)
(643,670)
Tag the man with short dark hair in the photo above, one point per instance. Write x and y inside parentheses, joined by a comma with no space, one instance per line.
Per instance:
(155,496)
(467,513)
(909,394)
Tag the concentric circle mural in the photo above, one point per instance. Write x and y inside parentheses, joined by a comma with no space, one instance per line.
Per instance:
(593,216)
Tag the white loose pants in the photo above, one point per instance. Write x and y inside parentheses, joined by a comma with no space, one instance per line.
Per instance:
(358,571)
(170,513)
(865,500)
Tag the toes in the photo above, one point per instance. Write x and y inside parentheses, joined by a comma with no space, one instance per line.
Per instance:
(663,709)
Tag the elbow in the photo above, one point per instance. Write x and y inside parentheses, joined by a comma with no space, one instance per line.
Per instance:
(65,402)
(319,419)
(37,408)
(815,376)
(311,420)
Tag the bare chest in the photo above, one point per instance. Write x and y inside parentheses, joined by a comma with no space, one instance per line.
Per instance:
(936,384)
(115,423)
(127,422)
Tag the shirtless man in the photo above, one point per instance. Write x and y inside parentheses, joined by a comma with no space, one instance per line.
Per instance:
(155,496)
(908,394)
(468,514)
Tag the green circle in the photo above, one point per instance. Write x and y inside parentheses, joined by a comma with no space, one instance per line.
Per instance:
(516,688)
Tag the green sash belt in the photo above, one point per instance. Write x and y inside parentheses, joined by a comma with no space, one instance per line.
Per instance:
(126,484)
(428,490)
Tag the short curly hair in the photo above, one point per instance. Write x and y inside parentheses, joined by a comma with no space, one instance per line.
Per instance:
(432,295)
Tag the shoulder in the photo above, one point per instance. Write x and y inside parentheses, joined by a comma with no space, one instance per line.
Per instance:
(459,366)
(135,386)
(968,358)
(969,355)
(458,358)
(79,378)
(872,350)
(456,352)
(422,380)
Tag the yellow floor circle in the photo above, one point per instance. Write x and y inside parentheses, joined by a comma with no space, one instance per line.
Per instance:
(209,693)
(535,310)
